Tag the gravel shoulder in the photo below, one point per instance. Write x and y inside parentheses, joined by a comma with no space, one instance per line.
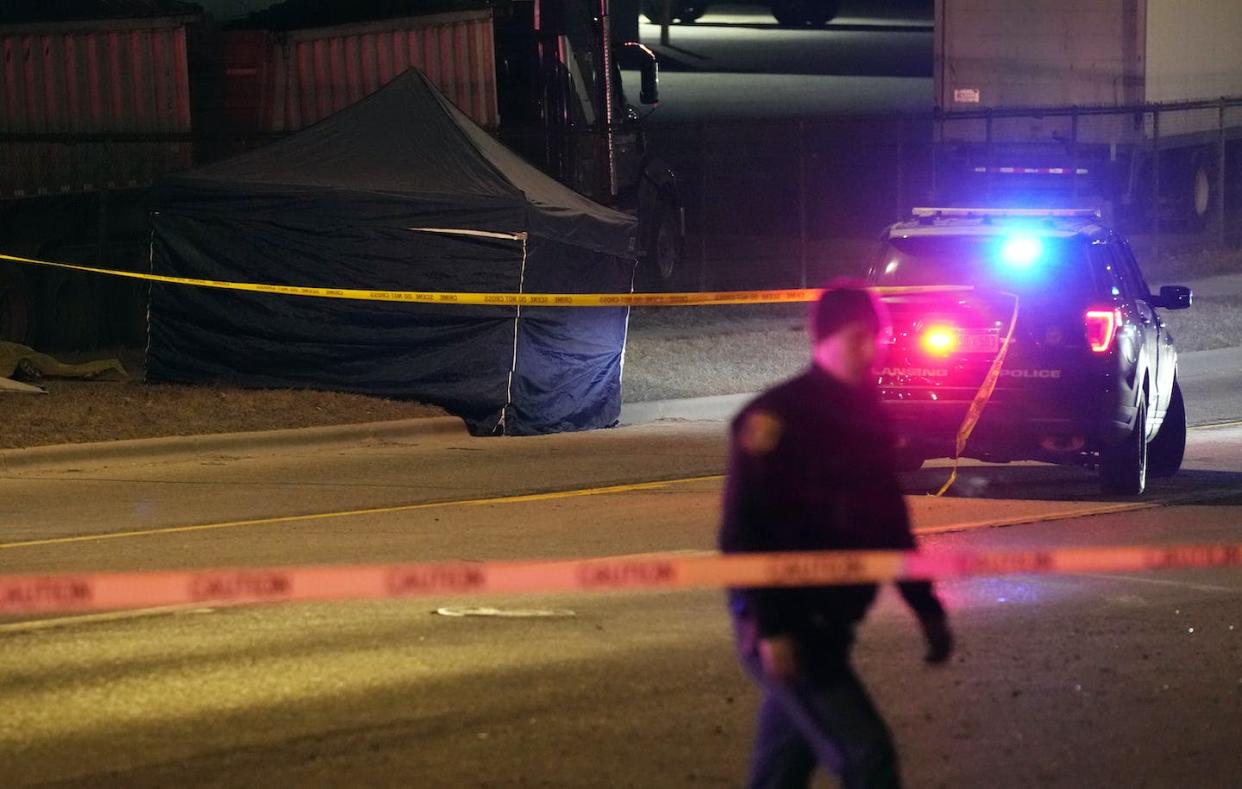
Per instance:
(109,410)
(672,353)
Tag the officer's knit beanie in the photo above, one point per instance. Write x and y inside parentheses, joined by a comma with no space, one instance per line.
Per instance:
(844,303)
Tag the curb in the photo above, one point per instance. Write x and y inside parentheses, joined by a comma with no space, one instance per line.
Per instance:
(714,408)
(173,448)
(151,450)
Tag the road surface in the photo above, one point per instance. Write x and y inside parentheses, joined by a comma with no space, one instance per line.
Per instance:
(736,64)
(1059,681)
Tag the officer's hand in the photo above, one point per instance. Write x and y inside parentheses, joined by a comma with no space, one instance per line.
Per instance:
(779,657)
(939,639)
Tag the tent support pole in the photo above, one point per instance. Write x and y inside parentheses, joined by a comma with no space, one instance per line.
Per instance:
(517,318)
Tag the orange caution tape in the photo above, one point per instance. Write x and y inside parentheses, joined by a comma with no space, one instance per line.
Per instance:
(30,594)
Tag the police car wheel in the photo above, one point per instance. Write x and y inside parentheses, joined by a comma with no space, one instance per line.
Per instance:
(1165,452)
(1123,468)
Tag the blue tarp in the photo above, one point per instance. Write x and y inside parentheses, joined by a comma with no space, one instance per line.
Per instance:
(349,203)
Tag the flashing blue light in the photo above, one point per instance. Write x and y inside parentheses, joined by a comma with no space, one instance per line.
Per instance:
(1021,251)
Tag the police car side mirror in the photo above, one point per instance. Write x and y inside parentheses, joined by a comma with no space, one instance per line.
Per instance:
(1174,297)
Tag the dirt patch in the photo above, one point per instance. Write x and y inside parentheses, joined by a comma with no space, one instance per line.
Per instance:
(83,411)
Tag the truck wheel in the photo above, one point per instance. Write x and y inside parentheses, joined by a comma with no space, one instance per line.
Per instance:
(801,13)
(1201,194)
(690,12)
(71,315)
(1164,454)
(16,308)
(1123,468)
(134,321)
(664,253)
(686,11)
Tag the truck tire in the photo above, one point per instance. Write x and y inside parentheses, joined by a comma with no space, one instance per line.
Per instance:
(663,258)
(17,311)
(803,13)
(134,323)
(1201,197)
(122,313)
(1123,468)
(685,11)
(71,315)
(1166,450)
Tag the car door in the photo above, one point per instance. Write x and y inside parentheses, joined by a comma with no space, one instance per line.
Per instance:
(1156,341)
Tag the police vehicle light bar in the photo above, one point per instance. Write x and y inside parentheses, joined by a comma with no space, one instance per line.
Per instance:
(968,213)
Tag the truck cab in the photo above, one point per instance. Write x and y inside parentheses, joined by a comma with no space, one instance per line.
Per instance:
(564,108)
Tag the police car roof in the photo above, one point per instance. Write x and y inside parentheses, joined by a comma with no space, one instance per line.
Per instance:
(1053,223)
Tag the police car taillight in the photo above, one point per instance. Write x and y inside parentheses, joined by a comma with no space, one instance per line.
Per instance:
(939,340)
(1101,327)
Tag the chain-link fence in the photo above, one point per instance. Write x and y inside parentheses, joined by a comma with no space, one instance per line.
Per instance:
(780,204)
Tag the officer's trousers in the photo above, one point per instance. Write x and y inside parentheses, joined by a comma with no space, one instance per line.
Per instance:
(823,717)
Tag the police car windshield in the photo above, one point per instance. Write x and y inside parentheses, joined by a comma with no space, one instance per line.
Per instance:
(1015,262)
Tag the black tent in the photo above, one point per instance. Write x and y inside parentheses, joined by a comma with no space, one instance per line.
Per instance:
(400,191)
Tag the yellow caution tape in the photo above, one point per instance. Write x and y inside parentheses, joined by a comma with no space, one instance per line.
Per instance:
(685,299)
(691,299)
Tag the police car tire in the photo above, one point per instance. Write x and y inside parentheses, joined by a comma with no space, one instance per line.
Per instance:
(1123,468)
(1165,452)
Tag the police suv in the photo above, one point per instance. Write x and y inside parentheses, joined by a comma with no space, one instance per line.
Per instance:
(1089,375)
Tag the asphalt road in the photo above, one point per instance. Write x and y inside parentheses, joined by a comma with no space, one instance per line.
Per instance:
(1088,680)
(736,63)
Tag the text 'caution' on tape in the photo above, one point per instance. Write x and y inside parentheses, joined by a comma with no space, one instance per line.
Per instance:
(28,594)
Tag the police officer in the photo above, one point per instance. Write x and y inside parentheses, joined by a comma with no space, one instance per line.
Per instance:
(811,468)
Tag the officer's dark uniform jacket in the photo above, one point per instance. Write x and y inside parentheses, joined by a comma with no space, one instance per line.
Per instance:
(812,468)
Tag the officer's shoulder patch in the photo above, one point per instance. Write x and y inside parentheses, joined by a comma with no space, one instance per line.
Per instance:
(760,432)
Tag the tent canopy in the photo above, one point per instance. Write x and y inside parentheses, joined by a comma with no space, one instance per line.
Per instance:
(400,191)
(408,140)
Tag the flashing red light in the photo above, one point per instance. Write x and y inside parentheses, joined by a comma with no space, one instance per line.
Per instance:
(1101,327)
(939,340)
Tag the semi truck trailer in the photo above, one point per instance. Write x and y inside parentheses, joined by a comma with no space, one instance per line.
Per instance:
(1124,102)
